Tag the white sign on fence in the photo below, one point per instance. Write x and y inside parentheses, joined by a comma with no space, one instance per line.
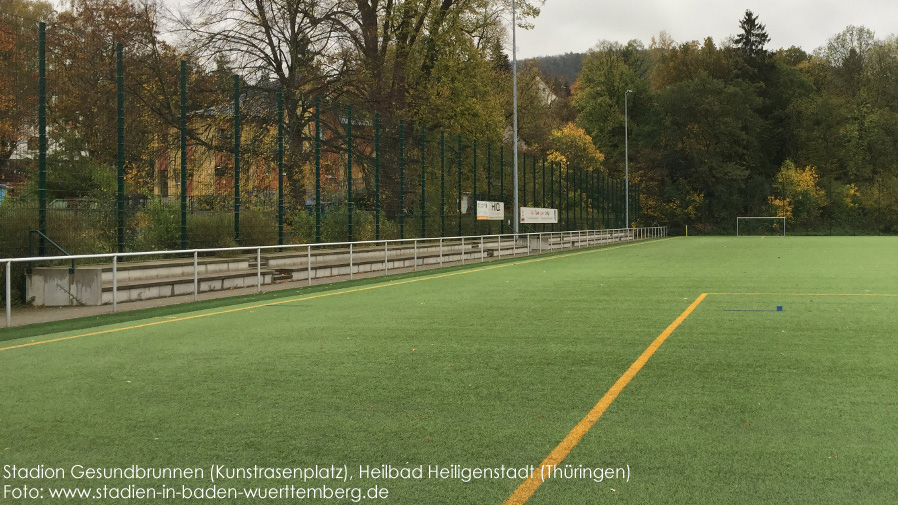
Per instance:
(537,215)
(490,211)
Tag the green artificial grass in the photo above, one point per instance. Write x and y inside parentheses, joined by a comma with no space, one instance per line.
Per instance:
(494,366)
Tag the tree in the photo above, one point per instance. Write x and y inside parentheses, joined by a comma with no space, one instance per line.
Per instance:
(710,140)
(753,38)
(599,99)
(796,194)
(572,146)
(396,45)
(81,47)
(839,47)
(300,46)
(18,79)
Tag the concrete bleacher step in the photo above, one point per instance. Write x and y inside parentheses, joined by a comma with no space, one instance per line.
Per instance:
(140,280)
(159,288)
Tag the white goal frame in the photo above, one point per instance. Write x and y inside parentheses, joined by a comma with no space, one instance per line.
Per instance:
(760,217)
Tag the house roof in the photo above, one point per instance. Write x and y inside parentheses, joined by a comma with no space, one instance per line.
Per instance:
(257,102)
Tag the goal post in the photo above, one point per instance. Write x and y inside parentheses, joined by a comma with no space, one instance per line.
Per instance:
(760,226)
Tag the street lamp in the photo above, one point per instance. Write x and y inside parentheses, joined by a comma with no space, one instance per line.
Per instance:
(626,162)
(514,80)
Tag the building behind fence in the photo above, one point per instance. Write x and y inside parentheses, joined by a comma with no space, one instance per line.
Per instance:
(217,162)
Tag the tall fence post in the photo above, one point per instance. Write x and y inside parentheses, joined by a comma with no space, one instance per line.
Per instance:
(317,170)
(552,189)
(523,179)
(183,135)
(349,147)
(280,157)
(502,184)
(237,159)
(473,199)
(120,145)
(401,179)
(605,201)
(637,209)
(423,177)
(593,192)
(542,202)
(489,179)
(489,171)
(442,183)
(567,198)
(377,177)
(612,190)
(459,186)
(580,223)
(533,178)
(42,137)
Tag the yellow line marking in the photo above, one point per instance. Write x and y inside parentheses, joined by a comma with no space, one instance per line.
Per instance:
(529,486)
(808,294)
(323,295)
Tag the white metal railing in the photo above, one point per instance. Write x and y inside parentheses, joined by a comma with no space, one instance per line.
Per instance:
(511,240)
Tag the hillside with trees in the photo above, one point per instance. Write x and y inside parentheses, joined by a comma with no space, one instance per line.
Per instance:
(723,130)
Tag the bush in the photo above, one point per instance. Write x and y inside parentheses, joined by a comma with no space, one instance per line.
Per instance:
(210,230)
(157,226)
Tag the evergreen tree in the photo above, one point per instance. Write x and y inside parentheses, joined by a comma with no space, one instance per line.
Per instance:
(753,37)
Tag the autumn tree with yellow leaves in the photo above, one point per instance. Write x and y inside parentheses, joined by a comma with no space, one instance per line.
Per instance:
(797,195)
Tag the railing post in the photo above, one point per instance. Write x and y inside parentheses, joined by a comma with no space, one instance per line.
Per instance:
(386,257)
(350,261)
(196,276)
(259,269)
(416,255)
(482,256)
(463,250)
(114,284)
(309,265)
(8,294)
(441,251)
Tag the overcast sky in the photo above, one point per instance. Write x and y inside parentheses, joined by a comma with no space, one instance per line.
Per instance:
(577,25)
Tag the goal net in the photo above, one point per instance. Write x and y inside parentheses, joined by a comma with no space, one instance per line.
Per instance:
(751,226)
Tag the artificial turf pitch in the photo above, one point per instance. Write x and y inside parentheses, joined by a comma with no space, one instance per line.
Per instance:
(494,365)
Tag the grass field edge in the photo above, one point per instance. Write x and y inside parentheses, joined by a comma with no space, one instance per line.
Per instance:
(282,296)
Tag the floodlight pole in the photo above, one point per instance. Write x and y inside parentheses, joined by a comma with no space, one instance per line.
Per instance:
(514,80)
(626,161)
